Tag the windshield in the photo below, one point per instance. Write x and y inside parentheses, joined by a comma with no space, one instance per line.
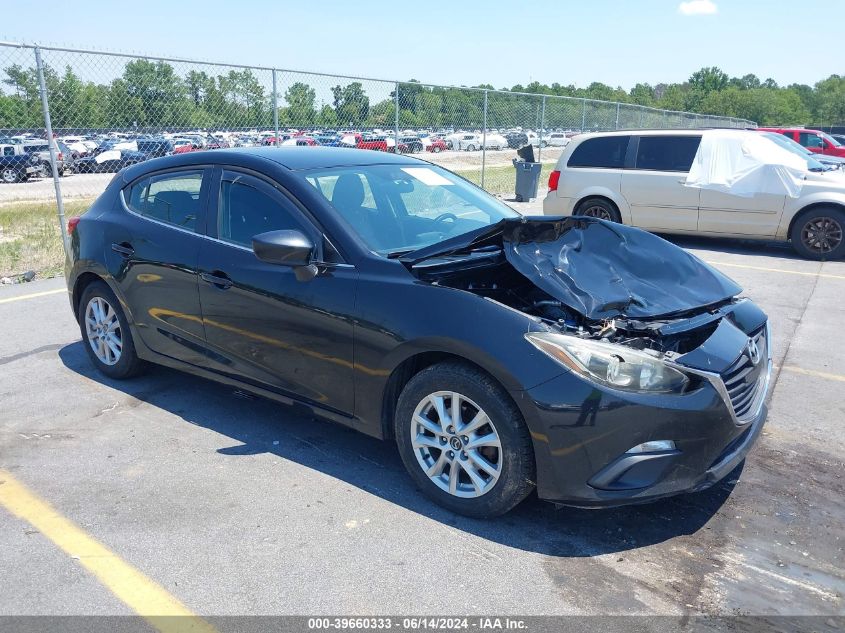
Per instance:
(401,208)
(796,148)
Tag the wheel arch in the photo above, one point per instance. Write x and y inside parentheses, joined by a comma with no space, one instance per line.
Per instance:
(811,207)
(85,279)
(80,284)
(415,363)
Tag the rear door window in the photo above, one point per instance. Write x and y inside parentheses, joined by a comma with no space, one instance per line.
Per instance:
(173,198)
(667,153)
(604,152)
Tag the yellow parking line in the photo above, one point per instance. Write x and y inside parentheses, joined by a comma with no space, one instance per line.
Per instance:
(778,270)
(33,295)
(147,598)
(814,373)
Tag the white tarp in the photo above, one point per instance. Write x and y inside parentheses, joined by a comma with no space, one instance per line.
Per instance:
(744,163)
(111,154)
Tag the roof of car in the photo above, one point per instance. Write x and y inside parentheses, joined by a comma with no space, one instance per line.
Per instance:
(790,129)
(648,132)
(662,132)
(317,157)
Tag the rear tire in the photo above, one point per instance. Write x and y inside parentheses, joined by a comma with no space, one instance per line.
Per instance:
(819,234)
(599,208)
(105,333)
(482,465)
(470,148)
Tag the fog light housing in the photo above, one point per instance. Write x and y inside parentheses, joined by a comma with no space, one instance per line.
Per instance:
(654,446)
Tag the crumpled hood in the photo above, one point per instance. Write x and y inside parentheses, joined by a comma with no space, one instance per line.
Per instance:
(605,270)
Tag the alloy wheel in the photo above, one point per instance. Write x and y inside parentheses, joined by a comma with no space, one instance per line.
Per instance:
(456,444)
(102,328)
(10,175)
(822,234)
(597,211)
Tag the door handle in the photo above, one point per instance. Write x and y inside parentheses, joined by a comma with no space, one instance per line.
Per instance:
(218,279)
(124,249)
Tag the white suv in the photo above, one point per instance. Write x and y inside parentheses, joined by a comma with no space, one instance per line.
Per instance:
(642,178)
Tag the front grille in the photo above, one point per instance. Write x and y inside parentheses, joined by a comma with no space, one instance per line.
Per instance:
(744,379)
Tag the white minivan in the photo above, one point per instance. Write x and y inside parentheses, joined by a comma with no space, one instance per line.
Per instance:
(642,178)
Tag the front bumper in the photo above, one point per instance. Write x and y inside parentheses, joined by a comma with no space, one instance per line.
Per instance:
(581,449)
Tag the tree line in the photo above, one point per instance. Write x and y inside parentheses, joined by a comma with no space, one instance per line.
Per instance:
(151,94)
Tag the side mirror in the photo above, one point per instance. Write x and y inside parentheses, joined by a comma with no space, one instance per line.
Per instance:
(287,248)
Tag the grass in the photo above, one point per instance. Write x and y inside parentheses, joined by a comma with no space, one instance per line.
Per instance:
(30,238)
(502,179)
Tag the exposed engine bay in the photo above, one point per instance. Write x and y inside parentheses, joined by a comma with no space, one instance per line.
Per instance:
(679,334)
(592,279)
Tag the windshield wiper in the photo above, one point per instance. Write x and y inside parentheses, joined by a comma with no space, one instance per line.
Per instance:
(461,242)
(399,253)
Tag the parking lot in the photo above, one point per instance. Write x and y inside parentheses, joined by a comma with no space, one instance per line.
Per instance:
(229,504)
(89,186)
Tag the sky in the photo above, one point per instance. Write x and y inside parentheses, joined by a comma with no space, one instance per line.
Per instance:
(462,42)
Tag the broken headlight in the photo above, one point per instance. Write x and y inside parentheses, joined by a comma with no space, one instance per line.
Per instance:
(612,365)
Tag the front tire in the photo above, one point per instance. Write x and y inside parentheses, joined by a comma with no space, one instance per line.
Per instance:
(105,333)
(463,441)
(818,234)
(10,175)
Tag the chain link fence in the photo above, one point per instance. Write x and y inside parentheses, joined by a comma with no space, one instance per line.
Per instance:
(107,110)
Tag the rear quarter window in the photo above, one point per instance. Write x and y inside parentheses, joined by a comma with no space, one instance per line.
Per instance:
(604,152)
(172,198)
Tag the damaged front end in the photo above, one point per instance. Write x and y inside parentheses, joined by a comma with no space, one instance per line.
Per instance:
(668,367)
(588,278)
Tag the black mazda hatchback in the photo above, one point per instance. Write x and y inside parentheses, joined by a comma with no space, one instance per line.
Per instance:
(592,361)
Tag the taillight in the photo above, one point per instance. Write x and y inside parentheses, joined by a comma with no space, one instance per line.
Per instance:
(71,224)
(59,157)
(554,178)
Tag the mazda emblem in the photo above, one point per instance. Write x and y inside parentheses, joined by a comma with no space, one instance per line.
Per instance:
(753,352)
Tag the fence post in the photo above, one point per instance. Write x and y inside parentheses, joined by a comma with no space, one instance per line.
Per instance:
(542,129)
(484,142)
(396,118)
(617,114)
(275,108)
(45,107)
(583,115)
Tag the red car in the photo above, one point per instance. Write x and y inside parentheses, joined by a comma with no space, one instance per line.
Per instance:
(182,146)
(813,140)
(300,141)
(271,140)
(376,143)
(437,145)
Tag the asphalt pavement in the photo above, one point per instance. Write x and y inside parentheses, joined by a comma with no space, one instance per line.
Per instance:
(231,504)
